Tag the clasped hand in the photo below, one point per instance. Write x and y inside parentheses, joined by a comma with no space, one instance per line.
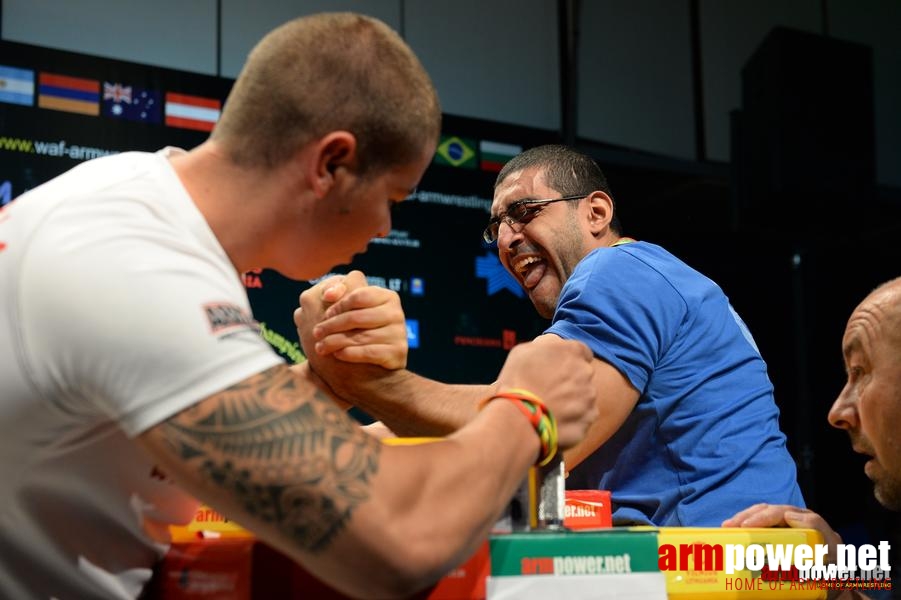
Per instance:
(346,326)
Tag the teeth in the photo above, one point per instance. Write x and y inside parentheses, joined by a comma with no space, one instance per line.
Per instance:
(522,265)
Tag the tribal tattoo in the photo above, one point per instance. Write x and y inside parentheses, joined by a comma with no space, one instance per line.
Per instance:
(298,463)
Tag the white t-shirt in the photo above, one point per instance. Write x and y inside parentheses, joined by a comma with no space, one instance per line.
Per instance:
(119,310)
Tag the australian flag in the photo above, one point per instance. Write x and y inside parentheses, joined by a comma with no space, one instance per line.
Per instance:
(131,103)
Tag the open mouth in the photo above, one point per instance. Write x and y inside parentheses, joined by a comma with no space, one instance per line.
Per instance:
(530,270)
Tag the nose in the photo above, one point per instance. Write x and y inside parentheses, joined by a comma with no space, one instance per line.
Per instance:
(843,414)
(384,228)
(507,236)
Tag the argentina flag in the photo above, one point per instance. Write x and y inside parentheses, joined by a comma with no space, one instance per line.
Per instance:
(16,85)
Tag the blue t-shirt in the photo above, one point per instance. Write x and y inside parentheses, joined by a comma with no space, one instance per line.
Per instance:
(703,442)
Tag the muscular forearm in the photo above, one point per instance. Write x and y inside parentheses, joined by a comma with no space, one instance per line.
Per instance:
(412,405)
(278,457)
(304,372)
(436,526)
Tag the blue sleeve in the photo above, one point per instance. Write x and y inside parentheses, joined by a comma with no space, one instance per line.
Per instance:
(623,309)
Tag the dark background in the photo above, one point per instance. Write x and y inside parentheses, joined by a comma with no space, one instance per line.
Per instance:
(795,231)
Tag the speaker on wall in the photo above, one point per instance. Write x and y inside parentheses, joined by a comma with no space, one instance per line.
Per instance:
(804,139)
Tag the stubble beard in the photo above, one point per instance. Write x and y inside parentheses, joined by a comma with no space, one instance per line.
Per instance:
(888,493)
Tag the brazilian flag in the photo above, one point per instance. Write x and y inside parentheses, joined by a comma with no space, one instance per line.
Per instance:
(456,152)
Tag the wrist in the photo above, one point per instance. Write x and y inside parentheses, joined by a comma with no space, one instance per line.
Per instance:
(539,416)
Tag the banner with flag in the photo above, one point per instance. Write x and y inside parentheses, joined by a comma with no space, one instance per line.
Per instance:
(69,94)
(16,85)
(191,112)
(456,152)
(494,155)
(131,103)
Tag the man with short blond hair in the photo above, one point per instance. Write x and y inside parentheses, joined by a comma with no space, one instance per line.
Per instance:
(134,381)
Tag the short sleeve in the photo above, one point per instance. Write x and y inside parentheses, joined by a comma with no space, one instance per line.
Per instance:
(134,325)
(623,309)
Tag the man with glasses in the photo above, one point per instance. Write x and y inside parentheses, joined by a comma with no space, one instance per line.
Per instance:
(688,431)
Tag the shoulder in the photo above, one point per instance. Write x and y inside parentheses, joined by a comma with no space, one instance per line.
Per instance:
(644,256)
(633,266)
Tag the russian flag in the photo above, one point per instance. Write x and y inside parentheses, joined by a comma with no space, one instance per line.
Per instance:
(70,94)
(191,112)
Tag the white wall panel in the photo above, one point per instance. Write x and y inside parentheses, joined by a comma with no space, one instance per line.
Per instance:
(635,75)
(177,34)
(730,33)
(499,59)
(244,22)
(494,60)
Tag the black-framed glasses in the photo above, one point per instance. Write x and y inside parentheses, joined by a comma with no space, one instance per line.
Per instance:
(521,211)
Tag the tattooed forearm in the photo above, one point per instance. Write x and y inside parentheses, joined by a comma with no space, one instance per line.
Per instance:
(297,462)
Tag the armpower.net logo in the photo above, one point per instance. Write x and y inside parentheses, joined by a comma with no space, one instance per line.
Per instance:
(784,566)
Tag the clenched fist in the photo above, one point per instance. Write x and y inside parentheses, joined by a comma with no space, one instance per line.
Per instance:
(561,373)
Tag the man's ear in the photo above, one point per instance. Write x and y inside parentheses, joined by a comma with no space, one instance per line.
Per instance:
(332,157)
(600,207)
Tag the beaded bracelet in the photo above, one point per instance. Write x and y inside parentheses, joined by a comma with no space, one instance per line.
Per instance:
(538,415)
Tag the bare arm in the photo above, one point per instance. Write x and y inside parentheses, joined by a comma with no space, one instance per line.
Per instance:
(614,398)
(338,320)
(280,458)
(412,405)
(404,402)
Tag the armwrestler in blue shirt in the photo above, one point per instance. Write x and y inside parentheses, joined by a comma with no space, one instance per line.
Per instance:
(703,440)
(688,432)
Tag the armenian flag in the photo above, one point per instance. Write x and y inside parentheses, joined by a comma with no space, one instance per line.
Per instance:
(69,94)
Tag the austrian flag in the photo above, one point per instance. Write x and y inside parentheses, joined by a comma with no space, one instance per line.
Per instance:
(192,112)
